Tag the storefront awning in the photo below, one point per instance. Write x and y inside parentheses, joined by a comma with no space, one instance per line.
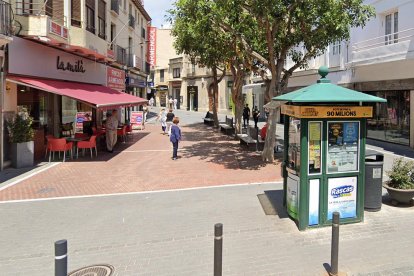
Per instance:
(97,96)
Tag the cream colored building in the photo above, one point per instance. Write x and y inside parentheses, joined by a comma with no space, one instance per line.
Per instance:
(176,77)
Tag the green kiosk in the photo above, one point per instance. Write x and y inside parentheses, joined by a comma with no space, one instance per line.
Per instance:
(324,152)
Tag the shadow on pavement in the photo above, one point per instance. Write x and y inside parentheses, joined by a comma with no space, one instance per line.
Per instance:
(209,144)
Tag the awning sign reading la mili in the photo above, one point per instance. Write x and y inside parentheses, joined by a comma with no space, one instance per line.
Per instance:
(327,111)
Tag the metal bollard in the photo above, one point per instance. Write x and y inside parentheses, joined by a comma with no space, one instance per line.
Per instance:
(218,249)
(335,243)
(61,258)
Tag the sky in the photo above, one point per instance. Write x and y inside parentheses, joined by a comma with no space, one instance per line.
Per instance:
(157,9)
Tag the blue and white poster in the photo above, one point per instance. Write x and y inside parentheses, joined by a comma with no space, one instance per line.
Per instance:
(342,196)
(351,132)
(313,202)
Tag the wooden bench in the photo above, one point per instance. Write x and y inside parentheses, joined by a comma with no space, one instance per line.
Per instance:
(227,127)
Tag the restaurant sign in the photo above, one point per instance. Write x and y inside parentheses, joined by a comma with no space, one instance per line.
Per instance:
(327,111)
(152,46)
(115,78)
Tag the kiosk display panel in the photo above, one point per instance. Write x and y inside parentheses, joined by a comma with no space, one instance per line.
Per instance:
(343,147)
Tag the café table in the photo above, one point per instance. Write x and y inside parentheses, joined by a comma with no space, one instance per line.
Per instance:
(75,141)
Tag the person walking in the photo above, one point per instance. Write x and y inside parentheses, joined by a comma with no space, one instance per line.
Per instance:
(163,120)
(170,117)
(175,136)
(175,104)
(256,115)
(170,103)
(151,102)
(145,110)
(246,115)
(111,130)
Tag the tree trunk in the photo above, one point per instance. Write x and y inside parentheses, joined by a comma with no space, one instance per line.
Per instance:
(270,141)
(215,96)
(238,76)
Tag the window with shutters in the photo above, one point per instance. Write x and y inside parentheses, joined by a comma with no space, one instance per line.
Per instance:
(102,19)
(90,16)
(75,7)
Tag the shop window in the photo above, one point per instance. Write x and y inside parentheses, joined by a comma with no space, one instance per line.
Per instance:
(176,73)
(90,16)
(102,19)
(391,121)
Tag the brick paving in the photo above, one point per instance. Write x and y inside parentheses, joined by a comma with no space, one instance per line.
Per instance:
(144,164)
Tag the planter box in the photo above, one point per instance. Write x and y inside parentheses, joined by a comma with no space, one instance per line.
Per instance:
(400,196)
(22,154)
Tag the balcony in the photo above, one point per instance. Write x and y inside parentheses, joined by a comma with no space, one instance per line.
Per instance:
(387,48)
(115,6)
(5,23)
(135,62)
(131,21)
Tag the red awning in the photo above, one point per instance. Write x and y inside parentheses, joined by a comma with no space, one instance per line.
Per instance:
(97,96)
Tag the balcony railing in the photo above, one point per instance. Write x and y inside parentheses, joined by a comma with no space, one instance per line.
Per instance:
(398,37)
(121,55)
(115,6)
(5,19)
(131,21)
(29,7)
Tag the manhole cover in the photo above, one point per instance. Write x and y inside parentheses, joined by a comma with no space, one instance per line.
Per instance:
(94,270)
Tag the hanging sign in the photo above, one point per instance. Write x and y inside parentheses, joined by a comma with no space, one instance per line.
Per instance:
(327,111)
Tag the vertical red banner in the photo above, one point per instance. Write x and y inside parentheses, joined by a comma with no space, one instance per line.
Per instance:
(152,46)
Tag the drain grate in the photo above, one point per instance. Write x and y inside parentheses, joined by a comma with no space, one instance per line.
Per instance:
(94,270)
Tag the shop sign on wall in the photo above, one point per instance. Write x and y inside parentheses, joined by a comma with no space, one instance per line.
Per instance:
(327,111)
(152,46)
(115,78)
(342,194)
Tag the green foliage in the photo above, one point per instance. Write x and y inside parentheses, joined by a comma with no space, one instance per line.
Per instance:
(401,174)
(20,129)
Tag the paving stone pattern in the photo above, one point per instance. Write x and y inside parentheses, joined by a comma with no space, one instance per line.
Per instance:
(171,233)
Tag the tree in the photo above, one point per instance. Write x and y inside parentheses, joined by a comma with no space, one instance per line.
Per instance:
(197,36)
(285,26)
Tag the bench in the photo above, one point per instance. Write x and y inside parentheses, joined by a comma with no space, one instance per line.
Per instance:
(251,139)
(227,127)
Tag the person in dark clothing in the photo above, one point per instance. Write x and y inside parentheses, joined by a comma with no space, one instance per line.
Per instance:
(170,117)
(256,115)
(175,136)
(246,115)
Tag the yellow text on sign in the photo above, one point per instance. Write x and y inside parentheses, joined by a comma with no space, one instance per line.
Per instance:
(327,111)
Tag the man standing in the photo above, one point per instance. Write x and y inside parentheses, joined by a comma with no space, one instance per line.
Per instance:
(246,115)
(111,130)
(256,115)
(170,103)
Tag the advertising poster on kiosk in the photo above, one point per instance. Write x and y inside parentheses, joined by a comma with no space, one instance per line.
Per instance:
(292,197)
(137,118)
(342,196)
(343,147)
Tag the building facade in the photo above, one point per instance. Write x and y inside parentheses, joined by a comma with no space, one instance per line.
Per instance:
(94,45)
(379,60)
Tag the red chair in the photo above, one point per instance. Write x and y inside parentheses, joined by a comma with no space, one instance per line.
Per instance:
(81,135)
(48,137)
(128,130)
(91,144)
(122,133)
(59,145)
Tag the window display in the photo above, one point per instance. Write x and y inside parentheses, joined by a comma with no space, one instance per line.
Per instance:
(315,129)
(294,145)
(343,147)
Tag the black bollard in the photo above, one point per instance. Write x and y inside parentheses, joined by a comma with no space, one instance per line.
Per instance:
(61,258)
(218,249)
(335,243)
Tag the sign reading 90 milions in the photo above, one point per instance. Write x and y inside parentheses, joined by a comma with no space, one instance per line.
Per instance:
(327,111)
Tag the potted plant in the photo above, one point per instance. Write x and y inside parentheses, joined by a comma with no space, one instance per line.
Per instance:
(400,185)
(21,136)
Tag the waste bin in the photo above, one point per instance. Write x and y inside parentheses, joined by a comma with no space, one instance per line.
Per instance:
(374,169)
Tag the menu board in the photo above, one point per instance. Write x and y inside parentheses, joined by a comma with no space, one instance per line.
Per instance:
(343,147)
(315,147)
